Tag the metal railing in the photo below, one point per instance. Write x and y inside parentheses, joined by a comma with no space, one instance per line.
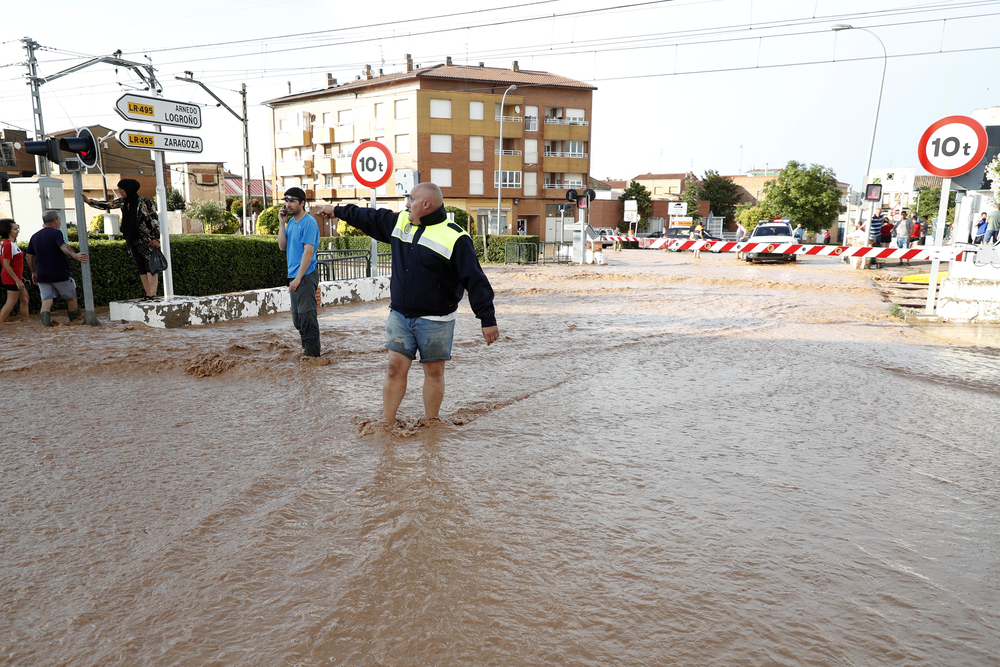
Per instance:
(350,264)
(497,151)
(554,154)
(508,119)
(561,186)
(520,253)
(531,124)
(555,253)
(565,121)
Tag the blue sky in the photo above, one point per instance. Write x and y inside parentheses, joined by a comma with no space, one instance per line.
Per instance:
(682,84)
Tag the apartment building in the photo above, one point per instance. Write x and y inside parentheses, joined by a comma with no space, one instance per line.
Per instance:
(444,121)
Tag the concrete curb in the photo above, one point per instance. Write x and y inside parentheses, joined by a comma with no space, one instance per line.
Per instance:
(194,310)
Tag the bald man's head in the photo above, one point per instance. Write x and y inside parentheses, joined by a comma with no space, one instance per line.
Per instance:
(425,198)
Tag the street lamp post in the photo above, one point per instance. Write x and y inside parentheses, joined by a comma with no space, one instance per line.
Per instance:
(500,165)
(878,106)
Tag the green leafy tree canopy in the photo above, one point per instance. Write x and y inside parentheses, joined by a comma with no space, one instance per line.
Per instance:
(692,195)
(267,222)
(930,199)
(175,200)
(461,216)
(722,193)
(214,216)
(751,214)
(638,191)
(805,195)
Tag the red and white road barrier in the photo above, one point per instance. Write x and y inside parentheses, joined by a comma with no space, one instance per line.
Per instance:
(943,253)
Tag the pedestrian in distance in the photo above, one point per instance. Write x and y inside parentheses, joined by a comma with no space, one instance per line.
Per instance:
(875,230)
(915,231)
(902,229)
(888,229)
(46,255)
(12,271)
(299,242)
(798,232)
(981,229)
(697,235)
(826,237)
(992,226)
(141,228)
(433,264)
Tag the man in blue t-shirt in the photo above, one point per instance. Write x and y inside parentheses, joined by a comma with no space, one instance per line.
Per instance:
(299,242)
(46,255)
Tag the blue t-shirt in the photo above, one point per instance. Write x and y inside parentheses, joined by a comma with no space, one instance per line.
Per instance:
(297,236)
(52,265)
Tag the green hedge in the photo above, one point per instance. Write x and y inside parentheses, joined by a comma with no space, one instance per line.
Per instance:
(202,265)
(351,243)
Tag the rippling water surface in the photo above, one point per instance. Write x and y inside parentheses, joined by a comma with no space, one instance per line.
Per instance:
(662,462)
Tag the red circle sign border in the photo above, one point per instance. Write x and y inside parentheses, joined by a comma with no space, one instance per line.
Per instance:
(968,166)
(388,160)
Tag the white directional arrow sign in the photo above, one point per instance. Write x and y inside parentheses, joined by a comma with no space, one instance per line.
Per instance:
(158,110)
(159,141)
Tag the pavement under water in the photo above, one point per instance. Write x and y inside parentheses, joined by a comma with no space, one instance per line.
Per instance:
(663,461)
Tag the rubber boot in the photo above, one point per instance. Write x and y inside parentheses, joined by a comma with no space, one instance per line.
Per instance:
(74,314)
(46,319)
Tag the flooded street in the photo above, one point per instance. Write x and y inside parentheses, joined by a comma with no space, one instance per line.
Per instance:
(663,461)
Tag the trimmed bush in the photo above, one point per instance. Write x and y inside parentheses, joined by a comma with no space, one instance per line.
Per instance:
(202,265)
(267,221)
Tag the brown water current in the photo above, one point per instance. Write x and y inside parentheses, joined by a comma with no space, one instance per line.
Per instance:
(662,462)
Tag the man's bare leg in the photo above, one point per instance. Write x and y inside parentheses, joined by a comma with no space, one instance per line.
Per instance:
(433,388)
(395,385)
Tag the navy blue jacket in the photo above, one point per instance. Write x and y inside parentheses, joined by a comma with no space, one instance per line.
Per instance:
(424,282)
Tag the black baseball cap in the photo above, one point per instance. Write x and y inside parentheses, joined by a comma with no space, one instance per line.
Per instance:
(298,193)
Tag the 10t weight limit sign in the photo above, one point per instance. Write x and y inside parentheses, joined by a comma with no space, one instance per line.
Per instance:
(952,146)
(371,163)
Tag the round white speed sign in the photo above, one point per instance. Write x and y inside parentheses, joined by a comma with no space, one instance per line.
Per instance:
(952,146)
(371,163)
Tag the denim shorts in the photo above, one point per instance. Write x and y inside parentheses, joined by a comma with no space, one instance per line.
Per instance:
(406,335)
(65,290)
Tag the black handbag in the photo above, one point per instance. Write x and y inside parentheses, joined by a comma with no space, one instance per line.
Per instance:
(157,261)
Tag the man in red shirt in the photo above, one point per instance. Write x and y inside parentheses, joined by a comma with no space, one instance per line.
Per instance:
(12,270)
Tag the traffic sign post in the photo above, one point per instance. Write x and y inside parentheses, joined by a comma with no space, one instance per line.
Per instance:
(158,110)
(950,147)
(160,141)
(371,163)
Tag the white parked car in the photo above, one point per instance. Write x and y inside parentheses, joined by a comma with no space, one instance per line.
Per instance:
(770,232)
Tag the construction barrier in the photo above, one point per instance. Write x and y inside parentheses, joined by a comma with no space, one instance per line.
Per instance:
(943,253)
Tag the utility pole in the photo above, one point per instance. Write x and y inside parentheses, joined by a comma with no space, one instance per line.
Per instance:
(41,164)
(189,78)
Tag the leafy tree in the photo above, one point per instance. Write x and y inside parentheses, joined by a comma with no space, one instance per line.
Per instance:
(722,193)
(175,200)
(930,199)
(345,229)
(97,223)
(461,216)
(692,195)
(214,216)
(751,214)
(805,195)
(638,191)
(236,208)
(267,222)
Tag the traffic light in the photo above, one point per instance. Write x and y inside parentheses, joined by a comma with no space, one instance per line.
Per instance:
(48,149)
(84,145)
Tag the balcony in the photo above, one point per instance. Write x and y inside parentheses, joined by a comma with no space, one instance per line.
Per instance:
(574,163)
(556,129)
(343,133)
(562,186)
(293,139)
(565,121)
(322,134)
(530,124)
(324,193)
(294,167)
(497,151)
(342,165)
(324,164)
(508,119)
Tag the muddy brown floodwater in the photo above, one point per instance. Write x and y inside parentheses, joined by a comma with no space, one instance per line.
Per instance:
(662,462)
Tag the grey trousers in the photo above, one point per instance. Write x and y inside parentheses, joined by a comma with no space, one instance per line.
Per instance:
(304,313)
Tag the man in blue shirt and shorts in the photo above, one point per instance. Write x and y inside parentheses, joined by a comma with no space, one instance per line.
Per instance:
(46,255)
(299,242)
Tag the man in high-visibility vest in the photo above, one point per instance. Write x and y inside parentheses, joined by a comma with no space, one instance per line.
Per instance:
(433,264)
